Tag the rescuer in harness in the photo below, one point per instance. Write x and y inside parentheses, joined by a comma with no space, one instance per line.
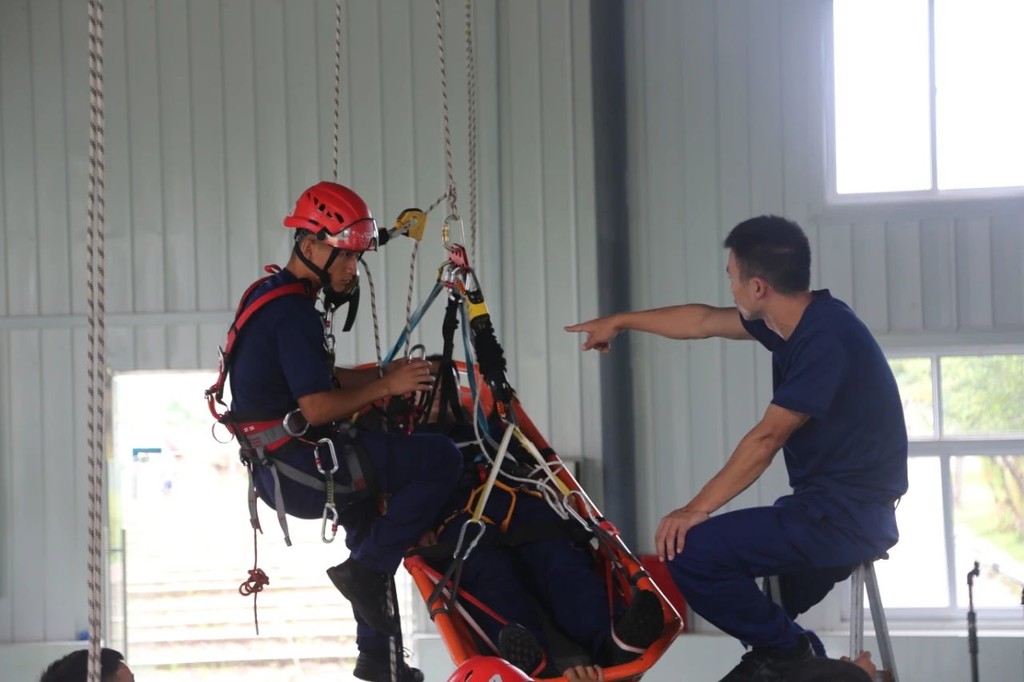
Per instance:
(290,407)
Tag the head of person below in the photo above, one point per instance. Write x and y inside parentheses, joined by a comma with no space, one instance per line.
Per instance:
(75,668)
(837,416)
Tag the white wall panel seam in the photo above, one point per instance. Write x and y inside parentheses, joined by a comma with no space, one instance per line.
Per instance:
(6,486)
(34,130)
(545,208)
(67,166)
(4,284)
(161,123)
(194,208)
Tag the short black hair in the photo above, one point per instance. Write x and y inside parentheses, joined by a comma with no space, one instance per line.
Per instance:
(75,666)
(775,249)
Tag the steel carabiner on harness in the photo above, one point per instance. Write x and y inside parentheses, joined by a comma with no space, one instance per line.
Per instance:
(292,418)
(319,460)
(330,510)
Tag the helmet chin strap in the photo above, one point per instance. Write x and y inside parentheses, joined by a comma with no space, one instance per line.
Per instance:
(333,299)
(321,273)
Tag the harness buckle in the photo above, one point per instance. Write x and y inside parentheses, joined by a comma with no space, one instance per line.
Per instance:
(330,512)
(291,422)
(319,461)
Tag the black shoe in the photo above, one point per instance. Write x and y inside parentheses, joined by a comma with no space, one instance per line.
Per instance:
(771,665)
(639,626)
(376,667)
(520,647)
(643,621)
(368,592)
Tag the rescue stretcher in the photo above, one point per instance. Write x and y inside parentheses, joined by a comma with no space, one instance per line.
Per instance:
(484,395)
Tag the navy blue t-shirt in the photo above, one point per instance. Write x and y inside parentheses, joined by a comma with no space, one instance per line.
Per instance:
(854,447)
(279,355)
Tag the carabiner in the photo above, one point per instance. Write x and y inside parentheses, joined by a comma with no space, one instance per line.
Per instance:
(295,415)
(330,511)
(319,462)
(446,230)
(459,554)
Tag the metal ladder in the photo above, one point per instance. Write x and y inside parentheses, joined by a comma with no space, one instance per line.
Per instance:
(863,577)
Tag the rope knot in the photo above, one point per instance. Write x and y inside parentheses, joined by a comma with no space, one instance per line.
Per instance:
(255,583)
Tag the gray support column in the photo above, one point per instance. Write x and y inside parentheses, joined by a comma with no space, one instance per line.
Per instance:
(609,93)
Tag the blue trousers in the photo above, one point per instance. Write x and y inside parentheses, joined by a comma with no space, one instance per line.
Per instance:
(809,546)
(523,582)
(417,472)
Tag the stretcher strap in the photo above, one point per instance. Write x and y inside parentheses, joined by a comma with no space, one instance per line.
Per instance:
(493,475)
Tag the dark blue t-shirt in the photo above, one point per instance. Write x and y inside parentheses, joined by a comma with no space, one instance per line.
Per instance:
(279,355)
(854,447)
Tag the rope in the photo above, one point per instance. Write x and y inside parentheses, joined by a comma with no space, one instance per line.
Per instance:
(471,96)
(337,81)
(376,320)
(95,295)
(414,259)
(451,193)
(256,581)
(408,298)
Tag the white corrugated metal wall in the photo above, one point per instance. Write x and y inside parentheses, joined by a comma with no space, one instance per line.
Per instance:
(209,138)
(727,120)
(218,114)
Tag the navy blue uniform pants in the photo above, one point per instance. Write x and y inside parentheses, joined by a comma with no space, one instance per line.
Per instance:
(417,472)
(523,582)
(808,548)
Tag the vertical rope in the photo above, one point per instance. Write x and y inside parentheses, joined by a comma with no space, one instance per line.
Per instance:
(413,261)
(337,82)
(376,320)
(408,297)
(453,209)
(95,360)
(471,96)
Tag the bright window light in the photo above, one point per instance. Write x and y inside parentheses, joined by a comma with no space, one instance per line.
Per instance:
(928,95)
(881,76)
(979,98)
(966,500)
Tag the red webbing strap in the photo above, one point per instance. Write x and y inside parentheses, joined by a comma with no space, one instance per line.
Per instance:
(243,313)
(246,312)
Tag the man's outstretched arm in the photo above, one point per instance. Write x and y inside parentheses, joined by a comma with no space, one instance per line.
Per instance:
(689,321)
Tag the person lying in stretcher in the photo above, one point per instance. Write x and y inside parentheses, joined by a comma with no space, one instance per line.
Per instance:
(546,610)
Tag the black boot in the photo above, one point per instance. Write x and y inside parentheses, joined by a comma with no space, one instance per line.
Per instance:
(520,647)
(639,626)
(375,666)
(368,592)
(771,665)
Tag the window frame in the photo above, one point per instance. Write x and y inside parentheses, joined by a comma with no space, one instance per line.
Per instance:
(945,449)
(913,197)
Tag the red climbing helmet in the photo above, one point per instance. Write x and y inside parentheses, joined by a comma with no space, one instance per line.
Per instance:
(488,669)
(336,215)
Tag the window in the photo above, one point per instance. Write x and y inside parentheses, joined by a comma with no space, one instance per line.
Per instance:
(965,419)
(928,96)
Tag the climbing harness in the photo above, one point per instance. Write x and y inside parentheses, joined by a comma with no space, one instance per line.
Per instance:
(259,438)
